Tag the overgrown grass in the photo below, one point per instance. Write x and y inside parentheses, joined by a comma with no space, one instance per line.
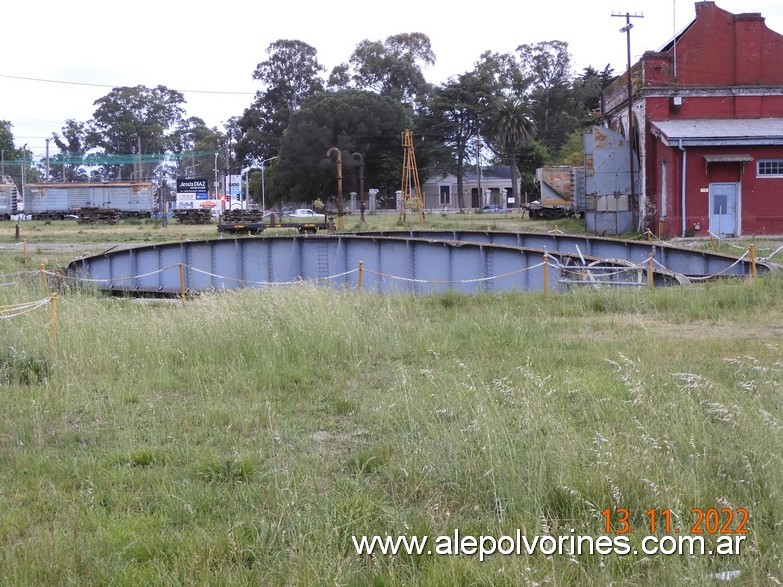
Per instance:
(243,438)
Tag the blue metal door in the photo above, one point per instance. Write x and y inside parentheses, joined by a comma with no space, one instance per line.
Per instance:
(723,209)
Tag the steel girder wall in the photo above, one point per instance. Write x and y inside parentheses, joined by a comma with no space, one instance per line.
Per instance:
(679,260)
(389,265)
(417,262)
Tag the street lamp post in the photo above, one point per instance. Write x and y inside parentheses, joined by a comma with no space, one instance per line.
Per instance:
(24,163)
(362,221)
(263,193)
(339,185)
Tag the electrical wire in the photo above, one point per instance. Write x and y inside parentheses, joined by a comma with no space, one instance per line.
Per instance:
(54,81)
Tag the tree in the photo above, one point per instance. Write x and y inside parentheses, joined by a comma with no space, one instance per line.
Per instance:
(354,121)
(137,120)
(290,75)
(72,143)
(392,68)
(531,156)
(7,140)
(454,118)
(547,65)
(589,86)
(508,126)
(502,74)
(11,156)
(195,146)
(572,152)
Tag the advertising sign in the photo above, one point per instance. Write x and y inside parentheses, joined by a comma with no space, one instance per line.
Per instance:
(196,188)
(234,188)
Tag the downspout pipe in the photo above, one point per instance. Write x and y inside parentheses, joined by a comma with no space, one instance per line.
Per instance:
(684,167)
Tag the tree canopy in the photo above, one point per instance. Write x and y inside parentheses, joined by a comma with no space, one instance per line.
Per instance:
(526,106)
(353,121)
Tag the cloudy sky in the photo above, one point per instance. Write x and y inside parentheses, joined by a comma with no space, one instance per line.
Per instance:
(59,57)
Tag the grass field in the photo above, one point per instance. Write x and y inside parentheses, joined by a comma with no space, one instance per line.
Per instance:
(246,438)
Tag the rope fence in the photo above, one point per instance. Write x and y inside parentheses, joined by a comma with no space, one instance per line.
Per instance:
(10,311)
(588,274)
(596,274)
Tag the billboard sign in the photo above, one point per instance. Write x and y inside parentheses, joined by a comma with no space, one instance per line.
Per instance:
(197,188)
(234,188)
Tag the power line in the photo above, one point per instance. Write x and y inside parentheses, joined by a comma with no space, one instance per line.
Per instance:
(93,159)
(54,81)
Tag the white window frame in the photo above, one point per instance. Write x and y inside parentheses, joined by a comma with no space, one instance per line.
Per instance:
(777,163)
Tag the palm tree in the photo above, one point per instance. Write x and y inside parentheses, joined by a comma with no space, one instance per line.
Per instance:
(508,125)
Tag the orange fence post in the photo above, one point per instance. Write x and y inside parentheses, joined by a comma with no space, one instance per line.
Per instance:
(712,240)
(43,278)
(546,272)
(650,274)
(52,323)
(181,284)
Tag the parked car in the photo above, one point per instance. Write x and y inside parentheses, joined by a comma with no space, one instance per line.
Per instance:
(306,213)
(494,209)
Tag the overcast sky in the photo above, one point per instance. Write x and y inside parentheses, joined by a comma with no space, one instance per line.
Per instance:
(215,47)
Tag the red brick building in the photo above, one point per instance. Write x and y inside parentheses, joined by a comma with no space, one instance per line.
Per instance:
(707,123)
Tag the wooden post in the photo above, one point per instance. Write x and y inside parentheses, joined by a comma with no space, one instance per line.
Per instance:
(753,269)
(43,278)
(361,275)
(53,323)
(546,272)
(712,240)
(181,284)
(650,273)
(24,251)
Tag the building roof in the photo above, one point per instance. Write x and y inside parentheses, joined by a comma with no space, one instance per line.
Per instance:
(719,132)
(488,172)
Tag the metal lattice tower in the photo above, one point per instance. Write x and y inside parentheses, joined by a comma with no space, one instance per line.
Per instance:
(411,189)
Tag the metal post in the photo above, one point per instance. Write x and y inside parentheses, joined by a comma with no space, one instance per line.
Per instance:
(217,195)
(339,185)
(362,221)
(263,194)
(138,154)
(24,163)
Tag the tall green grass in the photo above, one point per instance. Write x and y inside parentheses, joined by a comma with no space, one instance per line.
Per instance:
(244,437)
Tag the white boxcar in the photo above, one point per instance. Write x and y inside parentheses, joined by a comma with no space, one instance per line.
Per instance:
(56,200)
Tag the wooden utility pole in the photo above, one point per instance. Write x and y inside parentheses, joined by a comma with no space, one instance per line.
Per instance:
(627,30)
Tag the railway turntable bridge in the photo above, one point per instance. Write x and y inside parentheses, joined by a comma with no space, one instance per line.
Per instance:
(418,262)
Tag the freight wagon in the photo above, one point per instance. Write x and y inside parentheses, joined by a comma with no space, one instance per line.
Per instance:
(44,201)
(10,202)
(600,190)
